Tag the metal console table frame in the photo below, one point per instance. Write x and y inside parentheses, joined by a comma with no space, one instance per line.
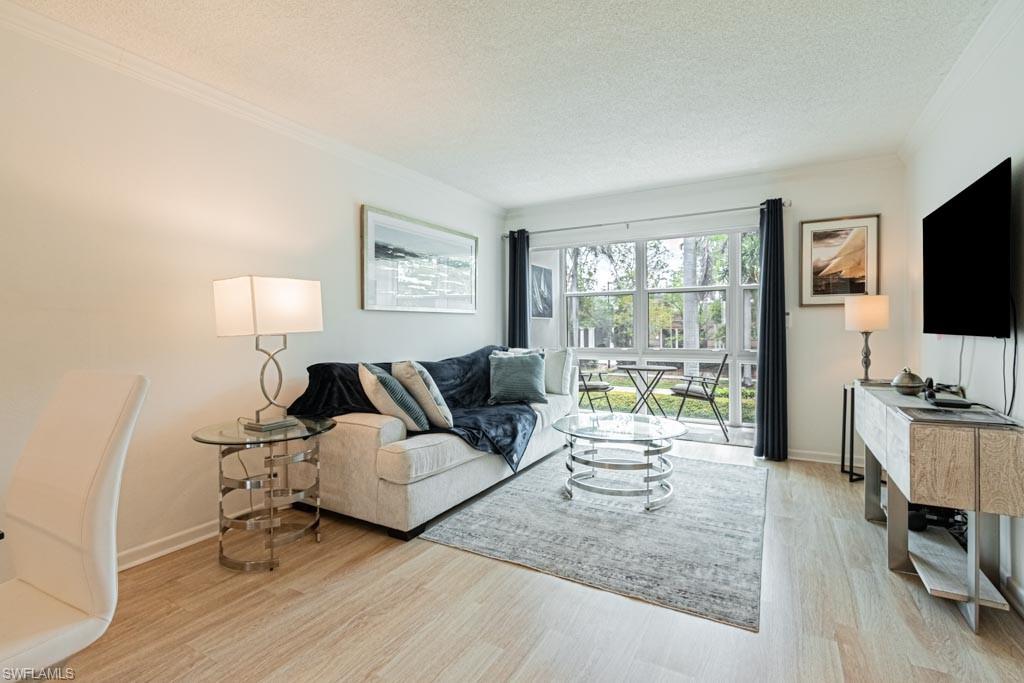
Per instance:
(848,396)
(266,516)
(620,429)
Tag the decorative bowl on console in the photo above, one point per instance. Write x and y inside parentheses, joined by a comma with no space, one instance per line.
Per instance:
(907,383)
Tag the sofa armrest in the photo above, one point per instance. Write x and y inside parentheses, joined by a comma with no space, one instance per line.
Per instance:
(348,461)
(371,430)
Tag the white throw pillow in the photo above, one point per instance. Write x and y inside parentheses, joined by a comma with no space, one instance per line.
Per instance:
(558,365)
(418,382)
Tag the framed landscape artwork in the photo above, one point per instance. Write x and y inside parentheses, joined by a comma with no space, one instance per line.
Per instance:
(838,258)
(412,265)
(541,303)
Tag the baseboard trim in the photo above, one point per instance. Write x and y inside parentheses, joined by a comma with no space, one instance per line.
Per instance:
(822,457)
(140,554)
(1014,594)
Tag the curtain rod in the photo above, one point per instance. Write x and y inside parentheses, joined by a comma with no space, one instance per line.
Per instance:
(786,203)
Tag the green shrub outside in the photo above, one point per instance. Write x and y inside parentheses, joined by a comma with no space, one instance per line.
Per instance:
(622,401)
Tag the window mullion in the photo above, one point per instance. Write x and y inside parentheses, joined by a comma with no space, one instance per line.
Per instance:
(734,330)
(563,334)
(641,339)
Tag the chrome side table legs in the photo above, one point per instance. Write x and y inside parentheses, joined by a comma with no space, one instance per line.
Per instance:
(270,495)
(651,463)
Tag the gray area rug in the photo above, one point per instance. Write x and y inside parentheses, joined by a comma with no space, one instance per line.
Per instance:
(700,554)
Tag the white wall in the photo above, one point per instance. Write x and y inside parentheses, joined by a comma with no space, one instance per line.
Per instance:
(822,355)
(122,199)
(975,120)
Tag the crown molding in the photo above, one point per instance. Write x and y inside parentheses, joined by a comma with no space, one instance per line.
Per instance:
(64,37)
(999,23)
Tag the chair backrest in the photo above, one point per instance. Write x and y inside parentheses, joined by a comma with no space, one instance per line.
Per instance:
(721,368)
(62,504)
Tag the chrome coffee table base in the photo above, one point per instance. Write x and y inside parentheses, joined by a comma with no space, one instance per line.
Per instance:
(651,462)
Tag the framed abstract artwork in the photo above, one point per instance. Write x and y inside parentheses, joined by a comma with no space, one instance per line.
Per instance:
(541,300)
(838,258)
(412,265)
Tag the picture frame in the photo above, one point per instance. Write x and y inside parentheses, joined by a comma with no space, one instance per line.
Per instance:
(415,266)
(838,258)
(542,303)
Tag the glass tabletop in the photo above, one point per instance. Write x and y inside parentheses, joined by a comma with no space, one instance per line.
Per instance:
(623,427)
(234,433)
(646,367)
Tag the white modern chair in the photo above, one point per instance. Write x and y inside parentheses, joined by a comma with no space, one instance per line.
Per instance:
(62,521)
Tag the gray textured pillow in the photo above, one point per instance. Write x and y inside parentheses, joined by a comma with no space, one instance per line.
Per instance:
(389,397)
(517,378)
(418,382)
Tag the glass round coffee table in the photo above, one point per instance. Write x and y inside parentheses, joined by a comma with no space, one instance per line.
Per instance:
(653,433)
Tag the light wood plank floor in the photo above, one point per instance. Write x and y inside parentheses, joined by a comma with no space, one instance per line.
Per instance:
(364,606)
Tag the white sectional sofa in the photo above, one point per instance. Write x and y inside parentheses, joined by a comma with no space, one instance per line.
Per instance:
(373,470)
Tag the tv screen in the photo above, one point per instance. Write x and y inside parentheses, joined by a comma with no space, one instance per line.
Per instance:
(967,254)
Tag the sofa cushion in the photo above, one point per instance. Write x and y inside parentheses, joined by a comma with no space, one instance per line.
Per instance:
(558,405)
(424,455)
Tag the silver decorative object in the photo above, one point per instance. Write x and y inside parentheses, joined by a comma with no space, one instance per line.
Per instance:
(907,383)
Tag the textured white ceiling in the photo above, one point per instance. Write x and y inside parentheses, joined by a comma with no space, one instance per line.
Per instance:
(523,101)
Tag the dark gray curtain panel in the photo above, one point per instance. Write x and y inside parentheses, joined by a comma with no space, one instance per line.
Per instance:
(772,441)
(519,288)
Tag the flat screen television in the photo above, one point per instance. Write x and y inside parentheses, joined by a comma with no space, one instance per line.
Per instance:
(967,257)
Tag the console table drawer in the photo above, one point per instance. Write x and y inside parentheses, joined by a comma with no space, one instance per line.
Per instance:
(942,468)
(1002,471)
(870,423)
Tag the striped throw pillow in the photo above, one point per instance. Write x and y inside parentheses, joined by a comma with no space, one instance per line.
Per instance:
(389,397)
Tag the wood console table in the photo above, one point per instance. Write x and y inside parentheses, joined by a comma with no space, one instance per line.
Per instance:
(978,468)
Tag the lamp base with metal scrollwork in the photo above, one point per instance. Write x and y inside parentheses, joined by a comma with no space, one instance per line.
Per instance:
(260,424)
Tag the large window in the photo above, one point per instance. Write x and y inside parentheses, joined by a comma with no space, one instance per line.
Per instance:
(682,301)
(600,286)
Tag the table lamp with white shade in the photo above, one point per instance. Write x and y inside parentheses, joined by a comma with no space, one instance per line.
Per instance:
(267,306)
(866,314)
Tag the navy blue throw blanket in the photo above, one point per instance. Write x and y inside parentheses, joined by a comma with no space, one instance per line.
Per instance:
(464,382)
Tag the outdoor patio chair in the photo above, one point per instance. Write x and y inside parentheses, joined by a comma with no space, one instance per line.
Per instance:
(702,388)
(589,388)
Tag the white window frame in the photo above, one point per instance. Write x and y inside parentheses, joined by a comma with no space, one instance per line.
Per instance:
(641,350)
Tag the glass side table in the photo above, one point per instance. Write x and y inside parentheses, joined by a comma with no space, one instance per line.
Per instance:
(297,446)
